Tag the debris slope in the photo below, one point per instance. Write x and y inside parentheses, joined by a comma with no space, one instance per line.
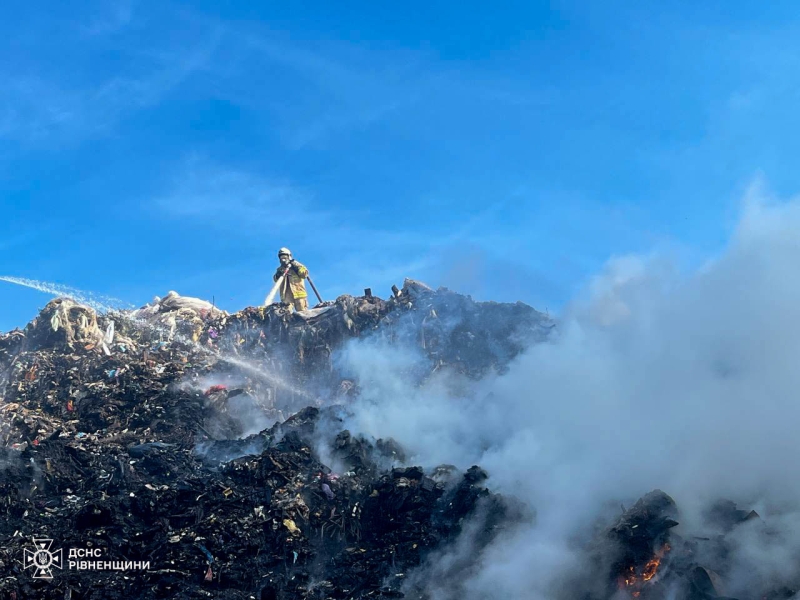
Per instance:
(213,448)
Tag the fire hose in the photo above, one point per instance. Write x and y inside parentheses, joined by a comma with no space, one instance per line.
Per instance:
(313,287)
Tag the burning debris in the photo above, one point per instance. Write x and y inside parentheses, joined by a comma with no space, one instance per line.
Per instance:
(641,556)
(213,447)
(641,541)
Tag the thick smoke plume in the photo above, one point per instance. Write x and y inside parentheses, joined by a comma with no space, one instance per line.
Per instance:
(656,379)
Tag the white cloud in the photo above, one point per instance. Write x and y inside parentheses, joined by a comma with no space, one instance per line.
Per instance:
(230,198)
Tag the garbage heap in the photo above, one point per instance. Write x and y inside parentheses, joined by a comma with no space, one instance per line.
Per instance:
(128,469)
(119,450)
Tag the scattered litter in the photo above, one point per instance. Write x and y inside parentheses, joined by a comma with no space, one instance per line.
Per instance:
(328,492)
(215,388)
(207,553)
(156,466)
(289,524)
(108,339)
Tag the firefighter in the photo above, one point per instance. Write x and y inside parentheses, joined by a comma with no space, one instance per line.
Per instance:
(293,288)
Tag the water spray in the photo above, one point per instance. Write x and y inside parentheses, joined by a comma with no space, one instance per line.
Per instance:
(275,288)
(97,301)
(106,304)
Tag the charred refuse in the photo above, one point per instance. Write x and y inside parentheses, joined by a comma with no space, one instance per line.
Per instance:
(213,448)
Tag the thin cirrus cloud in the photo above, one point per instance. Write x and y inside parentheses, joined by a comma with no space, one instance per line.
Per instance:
(70,103)
(238,198)
(114,18)
(335,88)
(316,91)
(202,184)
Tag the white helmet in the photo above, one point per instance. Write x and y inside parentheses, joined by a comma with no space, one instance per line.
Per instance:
(285,251)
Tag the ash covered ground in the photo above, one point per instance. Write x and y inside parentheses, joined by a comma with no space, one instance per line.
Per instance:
(426,446)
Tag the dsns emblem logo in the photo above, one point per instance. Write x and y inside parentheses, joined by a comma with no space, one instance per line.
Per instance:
(43,559)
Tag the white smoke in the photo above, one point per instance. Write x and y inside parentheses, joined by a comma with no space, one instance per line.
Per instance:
(246,412)
(656,379)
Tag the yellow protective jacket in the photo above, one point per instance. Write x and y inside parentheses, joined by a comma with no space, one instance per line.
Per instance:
(294,286)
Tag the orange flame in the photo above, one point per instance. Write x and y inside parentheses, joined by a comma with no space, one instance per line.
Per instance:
(650,569)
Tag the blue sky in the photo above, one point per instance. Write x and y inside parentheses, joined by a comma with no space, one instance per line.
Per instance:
(504,151)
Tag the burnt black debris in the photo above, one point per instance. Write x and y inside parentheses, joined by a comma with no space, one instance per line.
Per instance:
(214,448)
(640,555)
(119,439)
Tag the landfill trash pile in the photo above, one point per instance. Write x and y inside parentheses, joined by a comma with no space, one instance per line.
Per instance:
(212,449)
(118,446)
